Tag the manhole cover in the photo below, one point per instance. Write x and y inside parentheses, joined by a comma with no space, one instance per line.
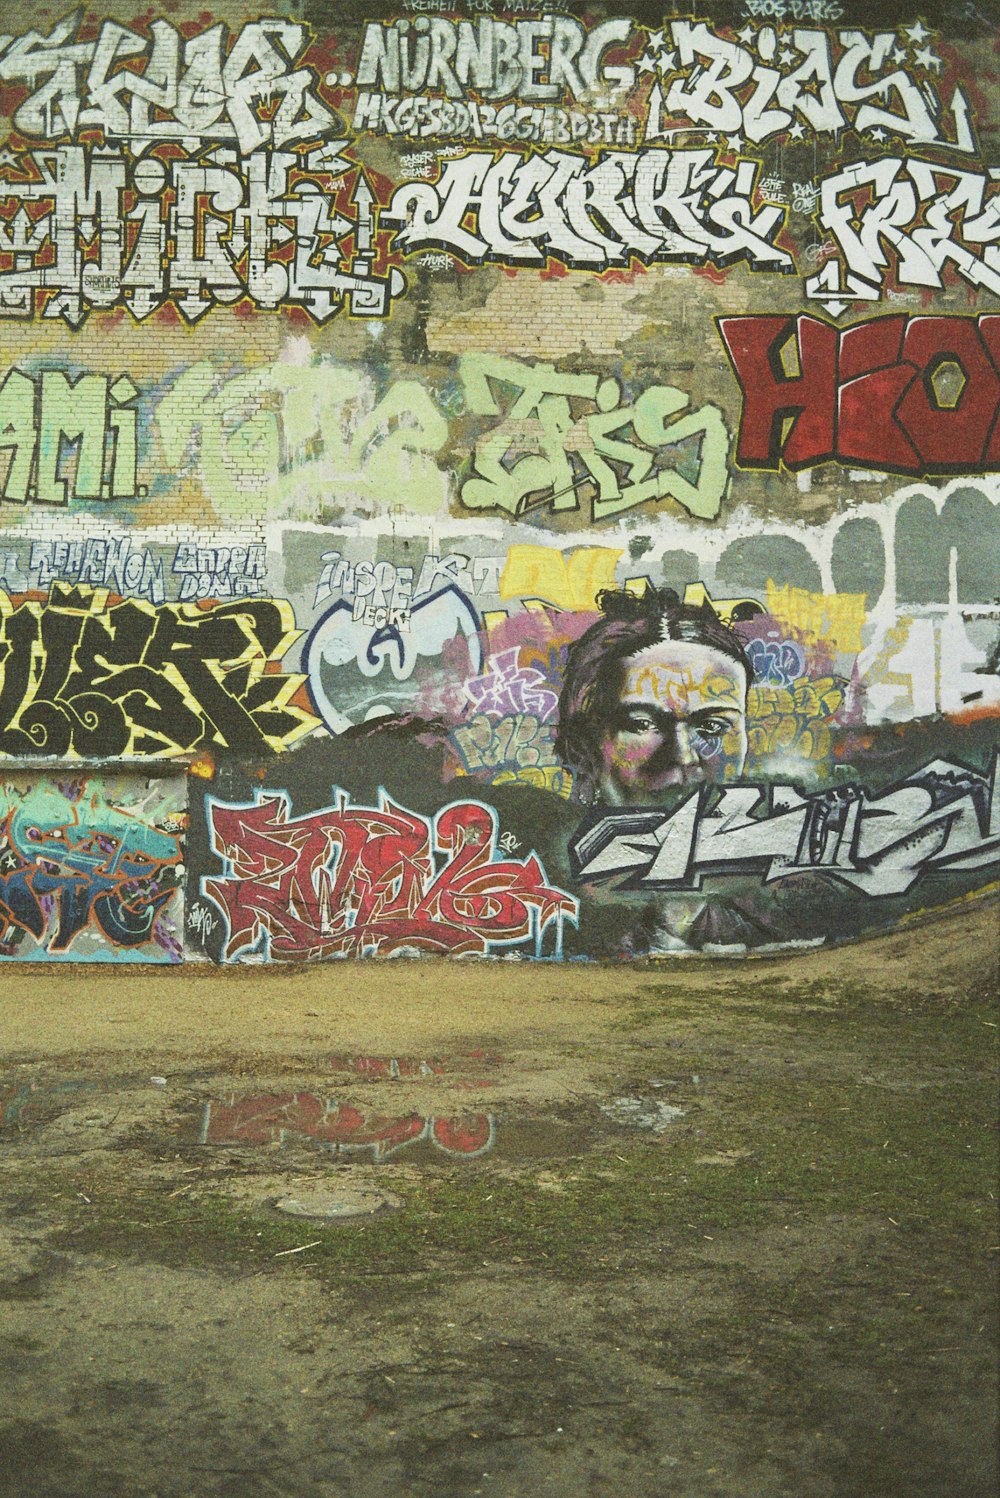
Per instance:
(345,1201)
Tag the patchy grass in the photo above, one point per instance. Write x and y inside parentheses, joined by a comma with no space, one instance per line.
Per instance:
(780,999)
(790,1291)
(803,1149)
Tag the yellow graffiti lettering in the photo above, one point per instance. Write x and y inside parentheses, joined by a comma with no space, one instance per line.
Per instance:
(793,720)
(83,676)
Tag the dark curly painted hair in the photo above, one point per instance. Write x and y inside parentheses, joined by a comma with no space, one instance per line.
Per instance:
(595,670)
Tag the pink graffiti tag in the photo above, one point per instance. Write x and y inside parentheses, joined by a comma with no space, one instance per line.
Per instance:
(271,1118)
(359,881)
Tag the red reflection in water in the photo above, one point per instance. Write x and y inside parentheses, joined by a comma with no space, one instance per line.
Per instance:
(268,1118)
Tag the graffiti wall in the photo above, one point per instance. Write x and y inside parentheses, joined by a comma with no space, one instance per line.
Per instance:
(528,476)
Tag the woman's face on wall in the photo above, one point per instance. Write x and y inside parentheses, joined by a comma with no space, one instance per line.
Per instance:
(680,719)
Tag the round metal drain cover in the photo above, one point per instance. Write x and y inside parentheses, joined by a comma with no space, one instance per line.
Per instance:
(345,1201)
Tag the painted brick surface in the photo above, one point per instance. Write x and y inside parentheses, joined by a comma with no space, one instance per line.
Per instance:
(532,473)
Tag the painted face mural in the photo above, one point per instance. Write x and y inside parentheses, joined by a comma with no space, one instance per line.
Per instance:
(680,719)
(535,477)
(654,697)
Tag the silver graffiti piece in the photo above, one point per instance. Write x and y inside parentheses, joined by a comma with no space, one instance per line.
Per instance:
(942,819)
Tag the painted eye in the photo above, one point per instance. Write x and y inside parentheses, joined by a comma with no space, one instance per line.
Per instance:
(636,723)
(714,728)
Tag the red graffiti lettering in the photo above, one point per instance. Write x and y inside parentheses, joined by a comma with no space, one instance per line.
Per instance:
(917,395)
(360,881)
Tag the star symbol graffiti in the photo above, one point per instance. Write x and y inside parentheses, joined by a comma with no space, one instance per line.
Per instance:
(747,35)
(797,131)
(925,58)
(735,142)
(656,41)
(917,33)
(667,63)
(879,134)
(786,56)
(647,63)
(898,55)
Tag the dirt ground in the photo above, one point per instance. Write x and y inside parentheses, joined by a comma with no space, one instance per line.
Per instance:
(703,1228)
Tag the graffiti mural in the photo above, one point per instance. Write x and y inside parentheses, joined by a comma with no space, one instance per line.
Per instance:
(327,424)
(115,563)
(911,394)
(761,82)
(942,818)
(364,881)
(42,418)
(535,474)
(201,232)
(682,204)
(90,870)
(502,478)
(394,639)
(940,220)
(83,675)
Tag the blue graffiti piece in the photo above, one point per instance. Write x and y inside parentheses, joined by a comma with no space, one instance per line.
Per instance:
(20,905)
(129,923)
(68,860)
(776,663)
(338,639)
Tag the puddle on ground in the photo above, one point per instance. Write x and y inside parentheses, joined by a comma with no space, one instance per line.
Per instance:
(150,1112)
(344,1201)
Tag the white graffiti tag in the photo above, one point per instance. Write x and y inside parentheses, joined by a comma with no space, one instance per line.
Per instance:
(925,217)
(199,232)
(656,204)
(199,90)
(765,83)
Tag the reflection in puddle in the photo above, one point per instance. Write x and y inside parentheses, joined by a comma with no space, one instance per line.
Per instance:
(30,1102)
(395,1068)
(271,1118)
(379,1067)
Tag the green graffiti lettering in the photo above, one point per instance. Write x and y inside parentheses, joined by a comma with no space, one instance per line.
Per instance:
(629,454)
(74,411)
(17,433)
(68,439)
(294,436)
